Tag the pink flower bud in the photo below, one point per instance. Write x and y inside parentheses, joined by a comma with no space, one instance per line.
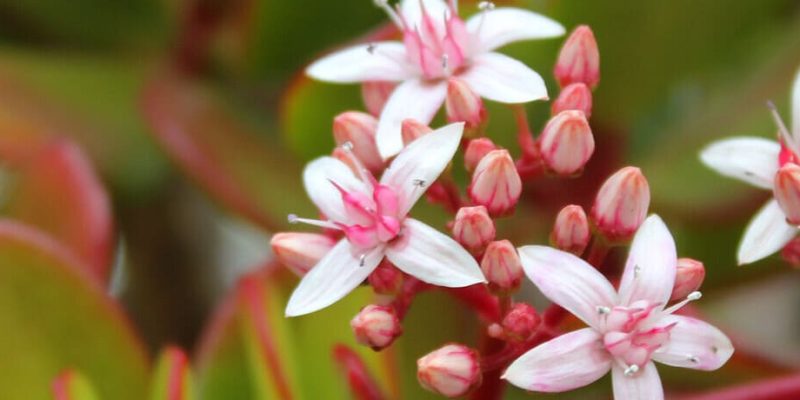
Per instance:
(376,326)
(386,279)
(411,129)
(621,204)
(452,370)
(787,192)
(579,59)
(521,322)
(462,104)
(358,129)
(476,150)
(300,251)
(689,276)
(473,228)
(791,252)
(576,96)
(571,230)
(375,94)
(496,183)
(566,143)
(501,266)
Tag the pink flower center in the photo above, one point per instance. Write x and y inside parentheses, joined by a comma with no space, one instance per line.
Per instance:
(631,337)
(374,220)
(786,155)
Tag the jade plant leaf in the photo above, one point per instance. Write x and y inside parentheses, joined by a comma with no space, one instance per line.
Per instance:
(72,385)
(172,377)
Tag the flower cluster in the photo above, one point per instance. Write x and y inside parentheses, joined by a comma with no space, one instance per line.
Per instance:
(368,236)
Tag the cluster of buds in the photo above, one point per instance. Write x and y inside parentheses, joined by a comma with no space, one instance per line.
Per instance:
(518,325)
(496,184)
(501,266)
(621,204)
(571,230)
(473,228)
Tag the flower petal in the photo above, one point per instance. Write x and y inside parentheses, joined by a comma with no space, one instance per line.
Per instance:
(503,79)
(568,281)
(796,108)
(433,257)
(650,270)
(750,159)
(767,233)
(336,275)
(317,178)
(567,362)
(495,28)
(381,61)
(419,164)
(693,344)
(645,384)
(411,99)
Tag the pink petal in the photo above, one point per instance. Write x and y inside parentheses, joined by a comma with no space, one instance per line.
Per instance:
(433,257)
(567,362)
(693,344)
(645,384)
(412,13)
(317,178)
(767,233)
(336,275)
(650,270)
(419,164)
(412,99)
(498,77)
(796,108)
(380,61)
(569,282)
(750,159)
(501,26)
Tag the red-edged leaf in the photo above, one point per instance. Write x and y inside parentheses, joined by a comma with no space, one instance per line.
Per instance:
(72,385)
(57,190)
(173,378)
(54,315)
(362,385)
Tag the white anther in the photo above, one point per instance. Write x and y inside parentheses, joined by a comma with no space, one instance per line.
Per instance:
(693,359)
(362,260)
(696,295)
(347,146)
(419,183)
(292,218)
(631,370)
(371,48)
(485,5)
(636,271)
(603,310)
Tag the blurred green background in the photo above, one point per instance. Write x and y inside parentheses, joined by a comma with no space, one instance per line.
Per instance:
(202,165)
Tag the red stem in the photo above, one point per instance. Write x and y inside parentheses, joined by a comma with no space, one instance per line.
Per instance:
(361,383)
(786,387)
(445,192)
(492,386)
(480,300)
(524,135)
(411,287)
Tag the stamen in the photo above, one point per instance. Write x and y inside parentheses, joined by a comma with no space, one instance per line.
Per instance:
(636,270)
(384,4)
(691,297)
(485,7)
(363,173)
(445,65)
(784,132)
(632,369)
(419,183)
(294,219)
(362,260)
(603,310)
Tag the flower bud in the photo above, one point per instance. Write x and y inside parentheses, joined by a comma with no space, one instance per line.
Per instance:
(521,322)
(386,279)
(476,150)
(689,275)
(358,129)
(496,183)
(621,204)
(375,95)
(452,370)
(571,230)
(787,192)
(579,59)
(462,104)
(576,96)
(376,326)
(411,129)
(501,266)
(473,228)
(566,143)
(791,252)
(300,251)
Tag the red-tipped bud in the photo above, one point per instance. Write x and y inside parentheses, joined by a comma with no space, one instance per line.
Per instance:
(358,129)
(375,94)
(473,228)
(621,204)
(376,326)
(476,150)
(386,279)
(579,59)
(501,266)
(576,96)
(462,104)
(791,252)
(521,322)
(689,275)
(787,192)
(496,183)
(567,143)
(411,129)
(571,230)
(452,370)
(300,251)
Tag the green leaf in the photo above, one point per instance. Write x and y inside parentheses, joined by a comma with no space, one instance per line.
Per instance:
(172,379)
(55,315)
